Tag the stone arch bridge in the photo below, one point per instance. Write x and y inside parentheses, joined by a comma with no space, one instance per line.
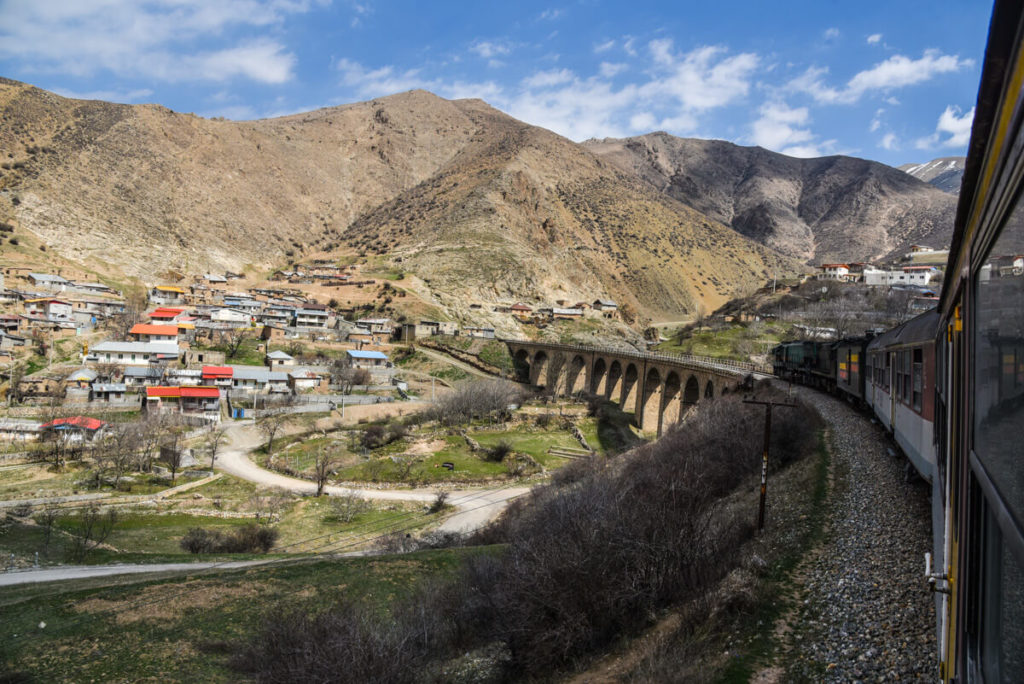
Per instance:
(656,388)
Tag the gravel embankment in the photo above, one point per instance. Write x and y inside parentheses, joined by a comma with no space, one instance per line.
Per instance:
(866,612)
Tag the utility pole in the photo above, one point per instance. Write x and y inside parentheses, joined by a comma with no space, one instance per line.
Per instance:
(768,405)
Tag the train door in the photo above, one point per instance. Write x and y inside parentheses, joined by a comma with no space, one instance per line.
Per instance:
(891,359)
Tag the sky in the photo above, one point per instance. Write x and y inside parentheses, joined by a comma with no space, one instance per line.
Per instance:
(892,81)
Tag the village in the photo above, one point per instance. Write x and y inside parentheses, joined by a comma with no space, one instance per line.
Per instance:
(202,347)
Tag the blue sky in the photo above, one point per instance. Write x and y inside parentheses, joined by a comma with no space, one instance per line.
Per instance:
(894,81)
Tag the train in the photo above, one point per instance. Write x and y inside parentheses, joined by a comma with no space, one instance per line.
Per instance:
(949,386)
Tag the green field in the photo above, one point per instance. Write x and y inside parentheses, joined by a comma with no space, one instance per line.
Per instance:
(183,629)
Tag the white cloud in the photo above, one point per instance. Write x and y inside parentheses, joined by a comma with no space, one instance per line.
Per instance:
(831,33)
(547,79)
(550,14)
(702,78)
(957,128)
(896,72)
(874,38)
(889,142)
(643,122)
(489,50)
(609,70)
(627,45)
(604,47)
(123,96)
(155,39)
(678,89)
(778,127)
(876,121)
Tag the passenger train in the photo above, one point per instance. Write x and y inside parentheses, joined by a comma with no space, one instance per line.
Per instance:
(949,385)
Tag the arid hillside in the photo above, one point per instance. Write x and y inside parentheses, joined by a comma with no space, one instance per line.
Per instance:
(822,209)
(471,200)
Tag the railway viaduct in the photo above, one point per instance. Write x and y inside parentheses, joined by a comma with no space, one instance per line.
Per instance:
(656,388)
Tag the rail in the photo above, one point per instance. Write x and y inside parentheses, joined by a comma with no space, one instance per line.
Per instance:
(687,360)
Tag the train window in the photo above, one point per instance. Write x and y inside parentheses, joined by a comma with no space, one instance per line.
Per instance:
(1001,634)
(998,337)
(918,377)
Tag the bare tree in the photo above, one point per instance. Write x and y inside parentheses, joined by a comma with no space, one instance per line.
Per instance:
(120,323)
(93,529)
(270,426)
(151,434)
(349,377)
(232,340)
(172,453)
(323,465)
(46,519)
(117,453)
(474,399)
(213,441)
(268,503)
(348,505)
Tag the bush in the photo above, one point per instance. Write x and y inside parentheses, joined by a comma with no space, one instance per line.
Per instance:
(498,452)
(250,538)
(584,562)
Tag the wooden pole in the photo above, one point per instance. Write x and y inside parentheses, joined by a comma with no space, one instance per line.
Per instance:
(768,405)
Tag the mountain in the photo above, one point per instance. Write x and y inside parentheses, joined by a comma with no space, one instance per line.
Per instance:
(945,173)
(478,205)
(825,209)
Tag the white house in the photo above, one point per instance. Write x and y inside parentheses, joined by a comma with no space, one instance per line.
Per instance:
(151,332)
(134,353)
(365,359)
(834,272)
(908,275)
(167,294)
(311,318)
(230,316)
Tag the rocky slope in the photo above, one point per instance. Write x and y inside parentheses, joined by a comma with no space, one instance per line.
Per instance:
(823,209)
(945,173)
(476,203)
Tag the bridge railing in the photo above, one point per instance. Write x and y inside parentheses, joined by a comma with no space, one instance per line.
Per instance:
(691,360)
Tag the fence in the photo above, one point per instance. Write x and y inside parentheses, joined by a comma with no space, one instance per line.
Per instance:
(690,360)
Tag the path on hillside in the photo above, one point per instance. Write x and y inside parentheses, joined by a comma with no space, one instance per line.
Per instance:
(452,361)
(864,611)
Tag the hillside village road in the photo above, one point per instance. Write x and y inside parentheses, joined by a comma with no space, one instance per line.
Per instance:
(476,506)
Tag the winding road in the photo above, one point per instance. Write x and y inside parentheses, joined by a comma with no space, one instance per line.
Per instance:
(474,508)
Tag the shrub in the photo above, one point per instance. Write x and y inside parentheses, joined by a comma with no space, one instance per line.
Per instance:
(250,538)
(498,452)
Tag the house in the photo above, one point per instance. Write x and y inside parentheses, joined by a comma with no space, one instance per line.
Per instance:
(365,359)
(566,314)
(907,275)
(521,310)
(361,337)
(1005,266)
(194,357)
(280,316)
(48,281)
(201,400)
(80,379)
(8,341)
(98,288)
(135,353)
(376,325)
(142,376)
(10,323)
(604,305)
(23,430)
(308,379)
(107,391)
(74,429)
(311,318)
(165,314)
(215,280)
(150,332)
(278,358)
(52,309)
(189,377)
(839,272)
(231,316)
(254,379)
(273,332)
(167,294)
(472,331)
(219,376)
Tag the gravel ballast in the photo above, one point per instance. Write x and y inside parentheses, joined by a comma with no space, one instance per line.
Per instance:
(865,614)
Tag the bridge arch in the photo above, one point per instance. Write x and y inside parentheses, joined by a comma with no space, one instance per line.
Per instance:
(539,370)
(576,377)
(649,415)
(521,365)
(671,400)
(691,394)
(630,382)
(613,387)
(709,390)
(599,377)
